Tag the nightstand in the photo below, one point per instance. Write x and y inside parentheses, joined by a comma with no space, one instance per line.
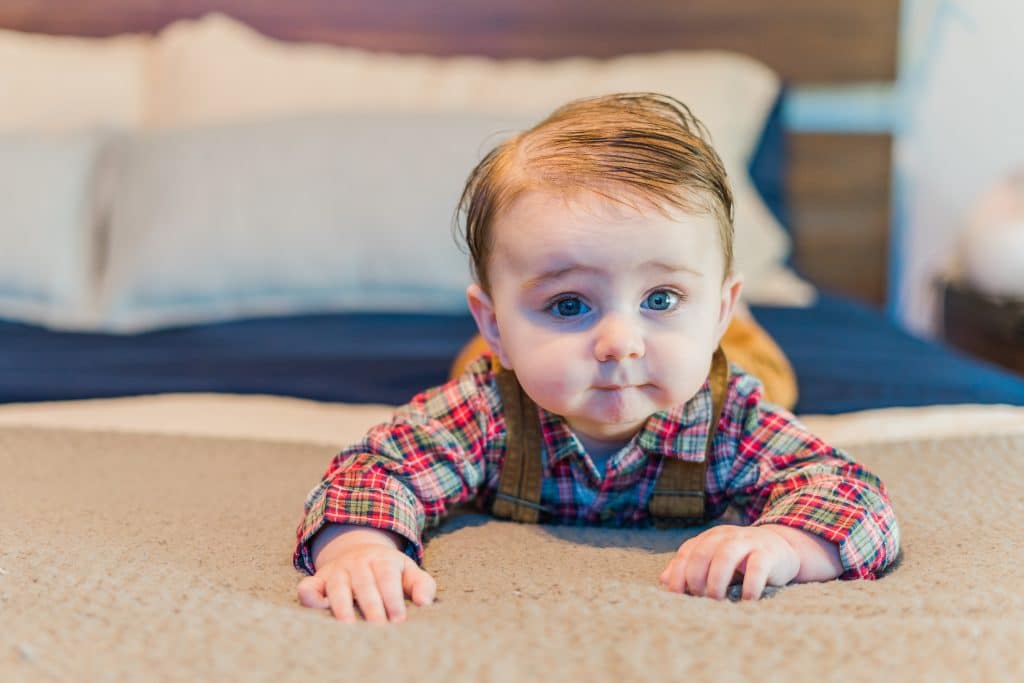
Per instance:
(983,325)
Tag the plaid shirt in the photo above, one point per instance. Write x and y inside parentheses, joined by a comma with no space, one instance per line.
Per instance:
(446,445)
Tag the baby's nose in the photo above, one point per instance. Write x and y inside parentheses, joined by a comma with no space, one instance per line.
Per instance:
(617,338)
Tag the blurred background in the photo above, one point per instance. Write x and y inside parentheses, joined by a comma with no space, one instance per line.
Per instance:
(959,145)
(194,187)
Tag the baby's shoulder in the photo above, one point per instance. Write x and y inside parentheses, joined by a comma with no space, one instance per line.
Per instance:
(474,390)
(481,369)
(743,386)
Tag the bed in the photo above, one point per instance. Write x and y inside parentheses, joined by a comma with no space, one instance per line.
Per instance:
(155,456)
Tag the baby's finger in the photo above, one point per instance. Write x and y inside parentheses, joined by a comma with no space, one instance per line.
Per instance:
(417,584)
(676,581)
(339,594)
(389,583)
(697,572)
(723,567)
(756,576)
(364,585)
(312,592)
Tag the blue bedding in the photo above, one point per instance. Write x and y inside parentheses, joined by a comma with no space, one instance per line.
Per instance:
(846,356)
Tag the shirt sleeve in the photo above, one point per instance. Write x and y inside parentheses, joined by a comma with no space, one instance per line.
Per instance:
(783,474)
(404,474)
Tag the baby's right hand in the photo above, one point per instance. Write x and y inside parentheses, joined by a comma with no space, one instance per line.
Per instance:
(374,573)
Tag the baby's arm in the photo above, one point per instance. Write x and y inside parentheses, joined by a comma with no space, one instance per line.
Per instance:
(400,479)
(364,564)
(814,513)
(782,475)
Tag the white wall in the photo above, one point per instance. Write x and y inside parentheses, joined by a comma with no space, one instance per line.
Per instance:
(961,128)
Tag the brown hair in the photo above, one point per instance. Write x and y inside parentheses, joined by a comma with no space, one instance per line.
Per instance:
(630,148)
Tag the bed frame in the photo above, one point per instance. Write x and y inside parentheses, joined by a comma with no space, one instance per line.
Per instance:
(838,183)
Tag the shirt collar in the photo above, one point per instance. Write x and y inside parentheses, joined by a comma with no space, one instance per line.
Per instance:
(680,432)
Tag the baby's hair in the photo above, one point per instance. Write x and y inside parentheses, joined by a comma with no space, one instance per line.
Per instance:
(638,149)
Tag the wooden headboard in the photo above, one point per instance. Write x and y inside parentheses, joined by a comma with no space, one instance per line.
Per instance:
(838,184)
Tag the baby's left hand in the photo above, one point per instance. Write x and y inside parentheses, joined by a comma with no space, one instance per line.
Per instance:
(705,564)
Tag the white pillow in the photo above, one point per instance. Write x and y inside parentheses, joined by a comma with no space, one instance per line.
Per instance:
(59,83)
(342,212)
(47,227)
(219,70)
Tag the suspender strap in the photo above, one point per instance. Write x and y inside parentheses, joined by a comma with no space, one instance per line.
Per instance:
(518,496)
(678,497)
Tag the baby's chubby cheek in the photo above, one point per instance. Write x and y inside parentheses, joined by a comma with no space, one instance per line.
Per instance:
(552,385)
(548,373)
(683,377)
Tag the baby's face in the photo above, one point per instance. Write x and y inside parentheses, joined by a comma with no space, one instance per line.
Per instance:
(607,315)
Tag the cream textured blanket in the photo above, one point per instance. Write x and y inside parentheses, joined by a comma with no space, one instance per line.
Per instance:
(164,557)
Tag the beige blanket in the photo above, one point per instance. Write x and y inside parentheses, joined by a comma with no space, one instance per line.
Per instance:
(155,556)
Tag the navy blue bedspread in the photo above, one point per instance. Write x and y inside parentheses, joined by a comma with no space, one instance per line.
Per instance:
(846,356)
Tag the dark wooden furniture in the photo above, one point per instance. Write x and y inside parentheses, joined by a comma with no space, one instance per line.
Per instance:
(989,327)
(838,184)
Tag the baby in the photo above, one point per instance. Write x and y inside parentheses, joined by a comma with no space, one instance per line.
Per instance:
(601,245)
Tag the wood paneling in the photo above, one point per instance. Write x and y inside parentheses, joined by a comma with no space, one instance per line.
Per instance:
(821,41)
(838,194)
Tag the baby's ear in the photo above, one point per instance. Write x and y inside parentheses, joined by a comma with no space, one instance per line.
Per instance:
(731,289)
(482,308)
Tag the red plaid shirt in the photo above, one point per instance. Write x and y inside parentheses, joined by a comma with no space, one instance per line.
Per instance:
(446,445)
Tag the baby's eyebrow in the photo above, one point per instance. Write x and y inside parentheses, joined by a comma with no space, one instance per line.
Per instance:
(670,267)
(562,271)
(556,273)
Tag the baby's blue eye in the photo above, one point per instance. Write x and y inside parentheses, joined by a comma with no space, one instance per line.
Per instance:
(569,307)
(661,300)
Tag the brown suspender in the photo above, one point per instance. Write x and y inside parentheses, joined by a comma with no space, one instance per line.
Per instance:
(518,496)
(678,497)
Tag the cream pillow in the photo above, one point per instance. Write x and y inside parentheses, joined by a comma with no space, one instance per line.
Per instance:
(351,211)
(216,70)
(59,83)
(48,219)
